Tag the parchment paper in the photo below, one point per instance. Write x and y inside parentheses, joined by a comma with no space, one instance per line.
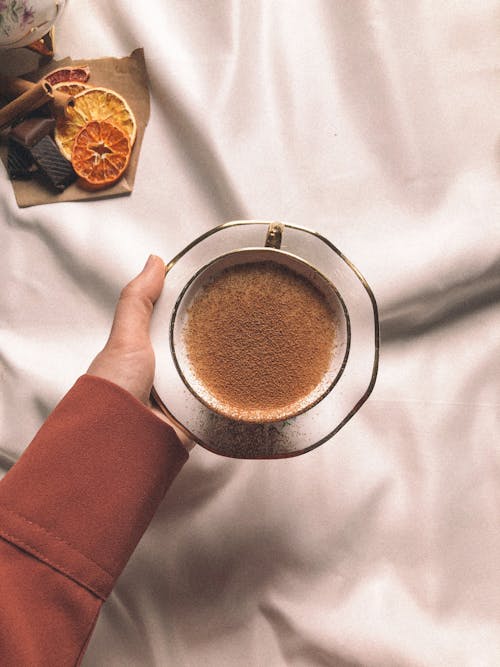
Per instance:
(128,77)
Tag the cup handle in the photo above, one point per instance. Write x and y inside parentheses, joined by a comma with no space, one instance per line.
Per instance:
(274,235)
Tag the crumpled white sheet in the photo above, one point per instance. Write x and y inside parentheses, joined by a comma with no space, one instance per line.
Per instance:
(377,124)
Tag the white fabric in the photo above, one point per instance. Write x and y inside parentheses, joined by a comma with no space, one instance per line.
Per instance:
(377,124)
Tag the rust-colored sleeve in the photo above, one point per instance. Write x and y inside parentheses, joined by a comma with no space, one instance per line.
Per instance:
(72,510)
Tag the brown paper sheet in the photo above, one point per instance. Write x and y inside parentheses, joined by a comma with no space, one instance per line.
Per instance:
(128,77)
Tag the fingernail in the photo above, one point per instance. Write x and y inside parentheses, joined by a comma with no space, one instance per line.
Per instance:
(150,261)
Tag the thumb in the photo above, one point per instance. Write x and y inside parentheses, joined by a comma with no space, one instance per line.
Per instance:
(135,306)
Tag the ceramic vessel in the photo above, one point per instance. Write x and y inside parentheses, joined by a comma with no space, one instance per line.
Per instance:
(23,22)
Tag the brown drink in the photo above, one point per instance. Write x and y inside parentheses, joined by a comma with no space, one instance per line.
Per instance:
(260,337)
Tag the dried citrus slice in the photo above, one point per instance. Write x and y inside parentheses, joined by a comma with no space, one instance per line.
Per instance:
(70,87)
(101,153)
(68,74)
(100,104)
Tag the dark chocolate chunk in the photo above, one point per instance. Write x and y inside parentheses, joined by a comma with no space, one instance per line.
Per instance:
(20,163)
(30,131)
(57,170)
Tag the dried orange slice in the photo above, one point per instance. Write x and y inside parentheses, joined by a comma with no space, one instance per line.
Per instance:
(100,104)
(70,87)
(68,74)
(100,155)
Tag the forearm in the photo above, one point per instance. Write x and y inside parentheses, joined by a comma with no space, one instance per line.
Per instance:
(72,510)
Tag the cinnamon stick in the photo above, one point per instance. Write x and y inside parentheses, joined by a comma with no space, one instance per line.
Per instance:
(33,98)
(61,103)
(11,86)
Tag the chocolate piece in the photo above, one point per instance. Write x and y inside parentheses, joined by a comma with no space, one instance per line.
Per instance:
(30,131)
(20,163)
(58,171)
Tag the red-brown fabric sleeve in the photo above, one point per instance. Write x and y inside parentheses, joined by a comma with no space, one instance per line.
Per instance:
(72,510)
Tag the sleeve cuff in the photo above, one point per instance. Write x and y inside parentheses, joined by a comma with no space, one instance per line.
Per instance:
(86,488)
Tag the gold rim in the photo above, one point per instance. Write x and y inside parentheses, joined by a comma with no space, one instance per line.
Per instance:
(369,389)
(330,386)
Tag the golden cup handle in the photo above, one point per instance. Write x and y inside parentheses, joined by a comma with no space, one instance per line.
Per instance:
(274,235)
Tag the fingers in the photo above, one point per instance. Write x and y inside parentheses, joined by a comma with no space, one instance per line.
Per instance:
(135,306)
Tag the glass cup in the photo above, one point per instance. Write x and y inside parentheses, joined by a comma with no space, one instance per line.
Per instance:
(348,391)
(270,253)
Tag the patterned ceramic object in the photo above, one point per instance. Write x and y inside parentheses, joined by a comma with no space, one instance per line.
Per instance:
(24,21)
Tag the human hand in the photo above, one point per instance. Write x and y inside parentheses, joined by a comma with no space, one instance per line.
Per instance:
(128,358)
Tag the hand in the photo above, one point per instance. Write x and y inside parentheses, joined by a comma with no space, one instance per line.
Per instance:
(128,359)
